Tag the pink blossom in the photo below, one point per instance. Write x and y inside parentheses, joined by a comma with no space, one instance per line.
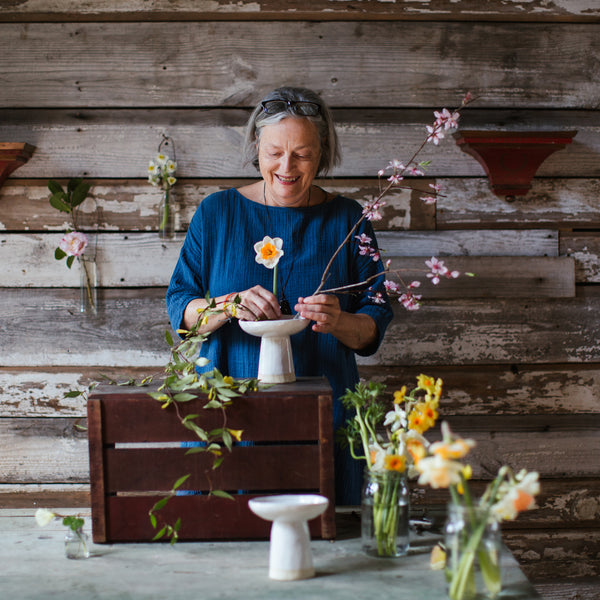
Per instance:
(429,199)
(378,298)
(363,238)
(395,178)
(371,211)
(410,301)
(414,284)
(391,286)
(446,119)
(468,97)
(436,187)
(73,243)
(437,268)
(416,172)
(435,134)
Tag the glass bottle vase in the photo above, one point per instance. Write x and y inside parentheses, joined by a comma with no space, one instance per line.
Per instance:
(473,543)
(77,544)
(166,216)
(384,514)
(88,296)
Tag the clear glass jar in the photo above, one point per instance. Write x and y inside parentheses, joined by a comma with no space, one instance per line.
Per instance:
(88,296)
(166,216)
(384,514)
(473,543)
(76,544)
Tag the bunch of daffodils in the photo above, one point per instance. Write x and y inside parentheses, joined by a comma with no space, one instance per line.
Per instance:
(504,498)
(391,440)
(161,171)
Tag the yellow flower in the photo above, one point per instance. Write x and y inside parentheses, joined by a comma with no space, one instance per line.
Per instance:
(438,472)
(416,449)
(426,383)
(399,395)
(395,462)
(452,450)
(236,433)
(437,559)
(228,380)
(467,473)
(268,251)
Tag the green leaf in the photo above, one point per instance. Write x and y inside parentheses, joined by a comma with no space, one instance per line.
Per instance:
(73,394)
(222,494)
(180,481)
(169,337)
(70,261)
(160,534)
(55,187)
(59,254)
(73,183)
(57,201)
(153,520)
(183,397)
(80,193)
(160,504)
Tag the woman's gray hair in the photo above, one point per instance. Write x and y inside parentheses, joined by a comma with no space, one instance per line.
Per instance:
(330,148)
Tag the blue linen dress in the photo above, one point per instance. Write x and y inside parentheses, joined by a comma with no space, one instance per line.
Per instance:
(218,257)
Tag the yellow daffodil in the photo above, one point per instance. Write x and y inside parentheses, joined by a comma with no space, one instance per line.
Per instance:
(395,462)
(438,472)
(437,558)
(399,395)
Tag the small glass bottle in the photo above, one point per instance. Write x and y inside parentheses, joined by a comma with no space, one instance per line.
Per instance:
(76,544)
(473,554)
(384,514)
(88,297)
(166,216)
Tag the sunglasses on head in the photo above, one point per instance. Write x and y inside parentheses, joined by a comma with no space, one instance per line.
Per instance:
(301,108)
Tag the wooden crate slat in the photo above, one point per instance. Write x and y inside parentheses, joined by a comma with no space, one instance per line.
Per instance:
(293,418)
(282,467)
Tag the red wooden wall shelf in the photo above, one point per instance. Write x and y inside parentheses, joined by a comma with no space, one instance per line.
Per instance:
(511,158)
(12,156)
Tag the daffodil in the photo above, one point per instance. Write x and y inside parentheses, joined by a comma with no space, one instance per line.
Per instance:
(438,472)
(43,516)
(268,252)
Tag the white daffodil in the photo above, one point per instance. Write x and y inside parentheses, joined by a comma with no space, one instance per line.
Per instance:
(438,472)
(171,167)
(43,516)
(171,181)
(518,495)
(396,418)
(268,251)
(162,159)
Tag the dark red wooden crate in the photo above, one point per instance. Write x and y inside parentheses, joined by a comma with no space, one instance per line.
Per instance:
(290,425)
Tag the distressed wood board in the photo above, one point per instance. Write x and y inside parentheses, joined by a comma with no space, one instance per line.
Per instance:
(409,64)
(119,142)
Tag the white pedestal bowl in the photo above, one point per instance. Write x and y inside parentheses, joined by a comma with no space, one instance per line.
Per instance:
(275,363)
(290,557)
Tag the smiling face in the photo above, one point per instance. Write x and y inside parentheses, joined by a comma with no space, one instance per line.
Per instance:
(288,154)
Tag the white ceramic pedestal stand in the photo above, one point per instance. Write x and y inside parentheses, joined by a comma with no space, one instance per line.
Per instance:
(275,363)
(290,557)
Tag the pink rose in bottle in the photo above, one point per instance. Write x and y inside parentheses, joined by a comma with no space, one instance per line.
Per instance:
(73,243)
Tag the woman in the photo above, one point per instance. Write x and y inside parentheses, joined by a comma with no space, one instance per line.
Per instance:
(290,139)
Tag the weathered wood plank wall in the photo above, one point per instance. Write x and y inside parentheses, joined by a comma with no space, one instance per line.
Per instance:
(94,86)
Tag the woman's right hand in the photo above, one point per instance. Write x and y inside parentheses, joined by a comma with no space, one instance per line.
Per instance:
(257,303)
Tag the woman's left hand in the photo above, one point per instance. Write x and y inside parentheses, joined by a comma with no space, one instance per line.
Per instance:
(323,309)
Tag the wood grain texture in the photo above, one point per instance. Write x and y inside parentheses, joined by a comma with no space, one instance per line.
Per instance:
(155,10)
(443,332)
(46,450)
(555,63)
(132,205)
(119,142)
(474,390)
(28,260)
